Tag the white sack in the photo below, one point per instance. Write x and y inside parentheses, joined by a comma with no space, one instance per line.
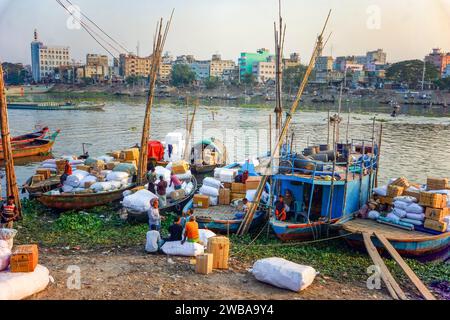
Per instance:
(139,201)
(400,205)
(184,176)
(8,236)
(189,188)
(67,189)
(5,255)
(399,213)
(284,274)
(250,195)
(374,215)
(394,218)
(106,159)
(381,191)
(161,171)
(209,191)
(405,199)
(188,249)
(415,216)
(213,183)
(17,286)
(76,177)
(204,235)
(101,186)
(117,176)
(88,179)
(213,201)
(415,208)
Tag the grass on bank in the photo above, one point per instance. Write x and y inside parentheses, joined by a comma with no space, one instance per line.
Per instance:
(102,228)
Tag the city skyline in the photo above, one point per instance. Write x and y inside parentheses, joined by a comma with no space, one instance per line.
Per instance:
(205,28)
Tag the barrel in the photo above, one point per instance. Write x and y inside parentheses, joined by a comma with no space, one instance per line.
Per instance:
(320,157)
(300,163)
(324,147)
(330,154)
(309,151)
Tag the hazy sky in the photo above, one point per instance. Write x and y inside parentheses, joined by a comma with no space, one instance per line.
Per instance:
(406,29)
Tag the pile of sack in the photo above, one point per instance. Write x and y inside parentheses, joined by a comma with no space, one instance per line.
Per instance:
(211,188)
(51,164)
(407,210)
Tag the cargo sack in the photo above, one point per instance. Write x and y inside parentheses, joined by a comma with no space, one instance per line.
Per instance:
(213,183)
(204,235)
(5,255)
(209,191)
(117,176)
(74,180)
(101,187)
(284,274)
(129,168)
(188,249)
(139,201)
(17,286)
(8,236)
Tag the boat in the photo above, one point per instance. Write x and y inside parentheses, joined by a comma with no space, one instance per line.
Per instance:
(413,244)
(322,195)
(81,201)
(171,207)
(32,148)
(27,89)
(207,155)
(36,189)
(67,106)
(29,137)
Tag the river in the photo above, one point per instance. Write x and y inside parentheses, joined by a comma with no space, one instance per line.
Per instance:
(415,146)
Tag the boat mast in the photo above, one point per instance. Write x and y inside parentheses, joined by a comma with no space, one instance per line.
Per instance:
(279,44)
(158,47)
(11,181)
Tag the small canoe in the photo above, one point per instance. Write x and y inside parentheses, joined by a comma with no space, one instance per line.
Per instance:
(54,106)
(36,189)
(33,148)
(28,137)
(288,231)
(415,244)
(172,207)
(81,201)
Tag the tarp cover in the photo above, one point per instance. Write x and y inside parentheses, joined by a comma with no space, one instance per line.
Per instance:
(155,150)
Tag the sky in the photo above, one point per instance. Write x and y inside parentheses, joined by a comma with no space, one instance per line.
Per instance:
(405,29)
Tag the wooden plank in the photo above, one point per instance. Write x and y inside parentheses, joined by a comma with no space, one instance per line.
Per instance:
(394,289)
(409,272)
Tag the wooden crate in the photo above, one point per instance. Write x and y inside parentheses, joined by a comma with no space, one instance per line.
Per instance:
(24,258)
(204,263)
(401,182)
(37,178)
(237,196)
(220,248)
(84,168)
(437,183)
(238,187)
(130,154)
(45,172)
(224,196)
(395,191)
(180,167)
(436,214)
(440,226)
(252,183)
(386,200)
(433,200)
(414,194)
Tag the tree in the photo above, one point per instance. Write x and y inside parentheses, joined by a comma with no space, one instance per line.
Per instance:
(292,77)
(443,84)
(15,73)
(212,83)
(249,79)
(182,75)
(410,72)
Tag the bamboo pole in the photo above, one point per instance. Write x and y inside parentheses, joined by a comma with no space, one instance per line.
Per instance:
(188,138)
(380,138)
(11,181)
(245,225)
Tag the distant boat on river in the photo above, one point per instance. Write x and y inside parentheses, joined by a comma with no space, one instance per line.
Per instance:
(55,106)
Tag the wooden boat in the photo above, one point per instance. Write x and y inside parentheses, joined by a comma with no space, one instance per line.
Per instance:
(33,148)
(29,89)
(172,207)
(36,189)
(29,137)
(68,106)
(414,244)
(198,163)
(81,201)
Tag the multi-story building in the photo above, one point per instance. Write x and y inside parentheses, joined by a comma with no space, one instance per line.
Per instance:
(378,56)
(218,66)
(97,67)
(45,59)
(331,76)
(184,59)
(248,59)
(264,70)
(446,72)
(324,64)
(439,59)
(201,68)
(165,72)
(293,61)
(133,66)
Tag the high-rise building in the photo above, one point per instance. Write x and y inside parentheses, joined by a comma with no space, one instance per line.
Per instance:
(45,59)
(133,66)
(201,68)
(439,59)
(248,59)
(377,56)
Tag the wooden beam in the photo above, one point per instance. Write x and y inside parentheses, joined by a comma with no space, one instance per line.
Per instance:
(394,289)
(409,272)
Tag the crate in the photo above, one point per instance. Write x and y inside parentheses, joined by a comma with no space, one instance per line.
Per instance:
(180,167)
(130,154)
(395,191)
(177,195)
(433,200)
(414,194)
(37,178)
(224,196)
(220,248)
(24,258)
(252,183)
(60,166)
(437,183)
(386,200)
(84,168)
(201,201)
(45,172)
(237,196)
(401,182)
(436,214)
(439,226)
(204,263)
(115,154)
(238,187)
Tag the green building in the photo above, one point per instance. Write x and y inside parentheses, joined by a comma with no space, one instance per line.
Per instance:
(247,60)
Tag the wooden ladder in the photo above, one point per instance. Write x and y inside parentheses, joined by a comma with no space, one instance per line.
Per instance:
(392,286)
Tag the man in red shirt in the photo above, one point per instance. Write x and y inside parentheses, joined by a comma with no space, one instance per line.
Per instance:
(67,172)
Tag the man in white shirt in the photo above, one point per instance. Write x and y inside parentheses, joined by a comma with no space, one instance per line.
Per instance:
(154,241)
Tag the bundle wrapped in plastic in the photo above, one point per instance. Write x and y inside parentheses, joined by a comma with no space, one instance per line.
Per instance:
(104,173)
(381,191)
(415,208)
(89,179)
(405,199)
(204,235)
(188,249)
(399,213)
(374,215)
(101,186)
(185,176)
(106,159)
(213,183)
(67,189)
(209,191)
(250,195)
(8,236)
(139,201)
(129,168)
(400,205)
(115,185)
(189,187)
(416,216)
(225,175)
(161,171)
(5,255)
(213,201)
(393,217)
(74,180)
(117,176)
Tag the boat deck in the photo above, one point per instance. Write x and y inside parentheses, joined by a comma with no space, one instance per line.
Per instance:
(390,233)
(222,212)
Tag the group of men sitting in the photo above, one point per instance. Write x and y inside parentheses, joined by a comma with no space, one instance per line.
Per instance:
(184,228)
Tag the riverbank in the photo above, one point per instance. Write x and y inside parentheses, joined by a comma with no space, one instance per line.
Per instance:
(113,263)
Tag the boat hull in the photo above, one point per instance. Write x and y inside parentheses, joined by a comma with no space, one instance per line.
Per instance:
(31,106)
(298,232)
(24,150)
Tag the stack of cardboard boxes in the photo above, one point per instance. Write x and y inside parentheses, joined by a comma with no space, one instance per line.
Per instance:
(436,204)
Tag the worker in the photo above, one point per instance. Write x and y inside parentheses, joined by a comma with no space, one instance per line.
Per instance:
(170,150)
(175,182)
(154,241)
(9,214)
(67,172)
(151,177)
(245,206)
(175,231)
(154,218)
(186,216)
(191,233)
(280,209)
(289,200)
(161,190)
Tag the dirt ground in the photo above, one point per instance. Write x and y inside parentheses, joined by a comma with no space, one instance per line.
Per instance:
(131,274)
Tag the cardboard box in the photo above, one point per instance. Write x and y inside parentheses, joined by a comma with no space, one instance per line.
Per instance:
(204,263)
(252,183)
(45,172)
(436,214)
(237,196)
(177,194)
(440,226)
(130,154)
(433,200)
(24,258)
(84,168)
(238,187)
(224,196)
(201,201)
(437,183)
(180,167)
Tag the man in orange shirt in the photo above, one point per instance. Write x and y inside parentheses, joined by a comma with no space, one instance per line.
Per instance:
(191,233)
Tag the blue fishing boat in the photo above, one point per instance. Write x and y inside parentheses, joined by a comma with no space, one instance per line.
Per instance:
(318,193)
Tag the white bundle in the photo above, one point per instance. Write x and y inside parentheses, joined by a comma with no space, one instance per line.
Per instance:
(189,188)
(161,171)
(20,285)
(393,217)
(48,166)
(225,175)
(209,191)
(204,235)
(412,221)
(106,159)
(8,236)
(115,185)
(88,178)
(185,176)
(415,216)
(188,249)
(447,219)
(213,201)
(381,191)
(211,182)
(117,176)
(415,208)
(399,213)
(284,274)
(400,205)
(139,201)
(78,190)
(405,199)
(374,215)
(67,189)
(76,177)
(104,173)
(101,186)
(5,255)
(250,195)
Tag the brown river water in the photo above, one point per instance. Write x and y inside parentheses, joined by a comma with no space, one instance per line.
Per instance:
(415,145)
